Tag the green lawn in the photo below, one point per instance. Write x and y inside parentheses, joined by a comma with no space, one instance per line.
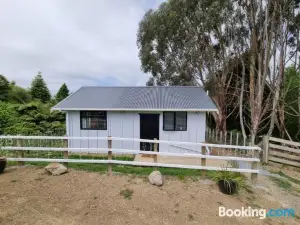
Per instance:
(102,168)
(124,169)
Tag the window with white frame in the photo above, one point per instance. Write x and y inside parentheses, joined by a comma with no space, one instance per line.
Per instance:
(93,120)
(175,121)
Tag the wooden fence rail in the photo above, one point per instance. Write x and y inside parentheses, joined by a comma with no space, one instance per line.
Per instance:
(202,153)
(281,151)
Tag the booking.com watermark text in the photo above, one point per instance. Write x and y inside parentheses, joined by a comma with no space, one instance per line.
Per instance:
(260,213)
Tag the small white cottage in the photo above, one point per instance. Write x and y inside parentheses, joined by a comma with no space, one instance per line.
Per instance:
(167,113)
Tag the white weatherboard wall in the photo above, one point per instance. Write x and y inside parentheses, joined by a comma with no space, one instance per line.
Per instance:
(195,132)
(127,124)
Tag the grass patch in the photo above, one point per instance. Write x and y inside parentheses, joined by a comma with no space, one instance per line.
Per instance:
(253,205)
(281,183)
(127,169)
(248,189)
(124,169)
(127,193)
(292,179)
(59,155)
(121,158)
(195,179)
(181,177)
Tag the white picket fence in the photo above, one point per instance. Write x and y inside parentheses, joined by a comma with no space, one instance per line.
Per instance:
(16,148)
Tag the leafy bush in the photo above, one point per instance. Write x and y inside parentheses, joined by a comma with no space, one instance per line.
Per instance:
(19,115)
(34,118)
(8,116)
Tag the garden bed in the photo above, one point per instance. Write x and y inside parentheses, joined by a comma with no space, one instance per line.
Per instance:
(28,195)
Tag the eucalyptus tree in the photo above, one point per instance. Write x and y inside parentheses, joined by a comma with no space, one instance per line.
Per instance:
(192,43)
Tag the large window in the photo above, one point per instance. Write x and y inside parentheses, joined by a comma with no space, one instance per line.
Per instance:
(175,121)
(93,120)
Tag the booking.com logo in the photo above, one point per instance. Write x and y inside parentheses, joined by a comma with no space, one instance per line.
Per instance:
(261,213)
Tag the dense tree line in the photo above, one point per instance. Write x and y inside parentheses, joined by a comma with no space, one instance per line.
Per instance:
(28,111)
(245,53)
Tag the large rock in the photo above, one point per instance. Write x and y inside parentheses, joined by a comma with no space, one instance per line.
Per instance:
(156,178)
(56,169)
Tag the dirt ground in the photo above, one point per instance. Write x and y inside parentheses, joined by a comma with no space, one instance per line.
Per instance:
(28,195)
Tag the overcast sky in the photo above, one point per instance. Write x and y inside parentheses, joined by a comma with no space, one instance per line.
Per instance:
(91,42)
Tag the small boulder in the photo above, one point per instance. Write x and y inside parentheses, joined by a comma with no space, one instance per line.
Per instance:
(156,178)
(56,169)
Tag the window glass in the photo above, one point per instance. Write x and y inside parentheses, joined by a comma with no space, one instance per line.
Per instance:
(175,121)
(93,120)
(169,121)
(180,121)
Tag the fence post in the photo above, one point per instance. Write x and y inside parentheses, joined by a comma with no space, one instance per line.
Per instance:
(254,166)
(155,150)
(265,148)
(203,160)
(225,137)
(237,138)
(21,152)
(109,144)
(66,153)
(230,141)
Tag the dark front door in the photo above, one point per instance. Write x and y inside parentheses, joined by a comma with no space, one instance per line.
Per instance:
(149,129)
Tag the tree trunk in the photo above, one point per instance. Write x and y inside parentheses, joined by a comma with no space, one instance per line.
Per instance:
(220,119)
(281,77)
(296,66)
(241,99)
(253,109)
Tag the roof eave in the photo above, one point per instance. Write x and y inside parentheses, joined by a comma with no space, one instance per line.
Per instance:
(128,109)
(54,107)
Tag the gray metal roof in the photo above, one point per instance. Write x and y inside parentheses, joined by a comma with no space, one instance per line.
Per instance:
(138,98)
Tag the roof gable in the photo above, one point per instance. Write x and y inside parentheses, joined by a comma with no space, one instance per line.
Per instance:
(138,98)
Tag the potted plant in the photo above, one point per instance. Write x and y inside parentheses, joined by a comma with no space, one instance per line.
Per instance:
(229,182)
(2,164)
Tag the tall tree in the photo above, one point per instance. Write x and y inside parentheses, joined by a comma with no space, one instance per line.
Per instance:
(185,43)
(267,22)
(39,89)
(202,41)
(4,88)
(62,93)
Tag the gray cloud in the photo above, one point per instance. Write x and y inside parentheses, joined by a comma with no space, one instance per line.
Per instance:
(78,42)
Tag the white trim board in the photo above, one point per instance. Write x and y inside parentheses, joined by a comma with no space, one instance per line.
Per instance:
(134,110)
